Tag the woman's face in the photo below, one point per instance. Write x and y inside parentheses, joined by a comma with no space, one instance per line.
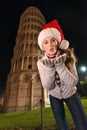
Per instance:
(50,45)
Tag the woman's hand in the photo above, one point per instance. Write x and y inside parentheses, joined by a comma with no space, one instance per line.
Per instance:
(48,63)
(60,60)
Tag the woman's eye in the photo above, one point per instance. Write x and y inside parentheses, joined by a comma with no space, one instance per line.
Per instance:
(45,42)
(53,40)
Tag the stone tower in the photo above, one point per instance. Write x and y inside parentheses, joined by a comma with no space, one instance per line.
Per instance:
(23,88)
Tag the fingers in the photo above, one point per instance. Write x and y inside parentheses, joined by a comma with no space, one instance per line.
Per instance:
(61,59)
(48,63)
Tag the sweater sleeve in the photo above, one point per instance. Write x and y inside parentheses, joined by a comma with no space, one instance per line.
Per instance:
(67,76)
(47,75)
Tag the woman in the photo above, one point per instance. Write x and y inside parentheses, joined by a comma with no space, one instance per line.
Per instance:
(58,74)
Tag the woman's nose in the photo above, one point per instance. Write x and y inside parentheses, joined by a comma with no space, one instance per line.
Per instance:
(50,43)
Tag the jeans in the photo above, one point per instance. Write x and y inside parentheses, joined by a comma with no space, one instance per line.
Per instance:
(76,109)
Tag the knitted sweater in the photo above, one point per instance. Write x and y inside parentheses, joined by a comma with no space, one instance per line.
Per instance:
(68,79)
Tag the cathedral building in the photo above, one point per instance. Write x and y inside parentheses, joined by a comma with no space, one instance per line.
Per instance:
(23,87)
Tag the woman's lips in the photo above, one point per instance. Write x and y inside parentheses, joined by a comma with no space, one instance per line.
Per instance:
(51,49)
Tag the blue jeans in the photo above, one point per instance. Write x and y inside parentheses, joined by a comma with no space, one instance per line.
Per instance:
(76,109)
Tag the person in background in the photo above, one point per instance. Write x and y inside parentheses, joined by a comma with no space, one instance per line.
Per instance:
(58,74)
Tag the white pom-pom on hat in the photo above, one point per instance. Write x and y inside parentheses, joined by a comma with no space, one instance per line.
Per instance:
(64,44)
(53,29)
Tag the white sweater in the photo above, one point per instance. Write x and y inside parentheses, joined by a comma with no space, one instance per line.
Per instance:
(68,80)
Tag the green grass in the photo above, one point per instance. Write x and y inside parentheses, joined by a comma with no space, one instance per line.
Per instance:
(32,119)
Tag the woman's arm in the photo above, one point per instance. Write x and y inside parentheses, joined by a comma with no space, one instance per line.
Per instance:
(47,75)
(66,75)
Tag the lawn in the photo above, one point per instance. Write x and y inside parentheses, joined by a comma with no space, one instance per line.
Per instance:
(32,119)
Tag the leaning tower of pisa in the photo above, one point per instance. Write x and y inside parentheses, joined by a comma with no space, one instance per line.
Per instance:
(23,88)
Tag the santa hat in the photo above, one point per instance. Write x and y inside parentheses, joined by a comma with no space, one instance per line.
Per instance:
(53,29)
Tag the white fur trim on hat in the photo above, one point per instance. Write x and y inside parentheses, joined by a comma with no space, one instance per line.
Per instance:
(48,32)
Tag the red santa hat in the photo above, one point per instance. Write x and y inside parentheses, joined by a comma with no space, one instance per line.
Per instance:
(53,29)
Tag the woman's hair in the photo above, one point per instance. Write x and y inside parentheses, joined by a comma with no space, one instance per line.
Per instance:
(70,57)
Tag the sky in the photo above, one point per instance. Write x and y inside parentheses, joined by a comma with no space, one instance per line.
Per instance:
(72,17)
